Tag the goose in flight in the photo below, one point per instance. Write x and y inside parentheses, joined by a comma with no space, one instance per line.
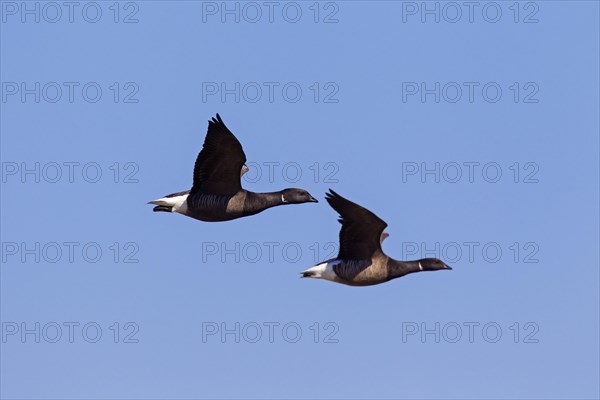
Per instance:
(361,261)
(216,193)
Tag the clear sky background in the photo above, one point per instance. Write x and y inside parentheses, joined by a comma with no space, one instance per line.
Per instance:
(529,289)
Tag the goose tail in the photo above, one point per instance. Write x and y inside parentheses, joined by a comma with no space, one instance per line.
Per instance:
(162,205)
(163,208)
(171,203)
(323,270)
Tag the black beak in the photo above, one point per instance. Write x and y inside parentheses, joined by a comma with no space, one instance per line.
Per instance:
(446,266)
(313,200)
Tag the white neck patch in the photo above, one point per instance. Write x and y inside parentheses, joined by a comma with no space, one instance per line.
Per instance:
(420,266)
(283,200)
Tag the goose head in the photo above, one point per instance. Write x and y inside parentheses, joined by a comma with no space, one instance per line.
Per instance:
(432,264)
(296,196)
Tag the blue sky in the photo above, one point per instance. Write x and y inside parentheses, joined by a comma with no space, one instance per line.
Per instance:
(472,132)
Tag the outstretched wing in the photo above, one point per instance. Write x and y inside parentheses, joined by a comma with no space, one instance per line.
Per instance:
(217,168)
(360,236)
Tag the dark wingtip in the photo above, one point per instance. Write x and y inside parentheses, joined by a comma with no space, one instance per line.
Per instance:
(217,121)
(332,193)
(331,196)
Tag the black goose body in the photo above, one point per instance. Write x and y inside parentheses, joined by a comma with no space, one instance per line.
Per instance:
(217,194)
(379,269)
(213,208)
(361,261)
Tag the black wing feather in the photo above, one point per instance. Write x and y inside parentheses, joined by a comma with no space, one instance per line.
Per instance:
(361,229)
(218,165)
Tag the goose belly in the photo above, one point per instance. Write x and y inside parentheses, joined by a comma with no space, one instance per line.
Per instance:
(208,208)
(360,273)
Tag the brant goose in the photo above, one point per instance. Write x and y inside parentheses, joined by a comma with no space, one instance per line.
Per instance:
(217,193)
(361,261)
